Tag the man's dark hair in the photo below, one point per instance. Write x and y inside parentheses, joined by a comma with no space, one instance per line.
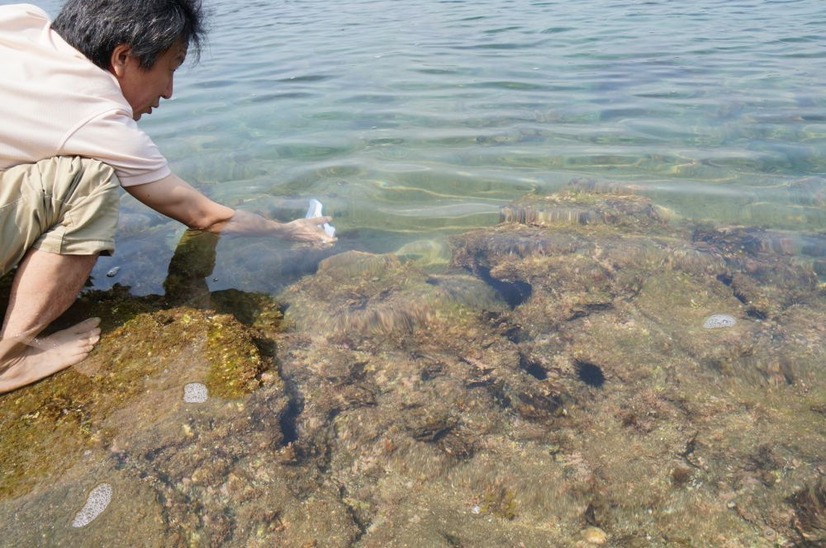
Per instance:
(149,27)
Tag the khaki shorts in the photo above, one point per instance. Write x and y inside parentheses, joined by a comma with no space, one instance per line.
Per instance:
(62,205)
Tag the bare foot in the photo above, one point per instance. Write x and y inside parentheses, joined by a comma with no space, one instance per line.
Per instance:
(48,355)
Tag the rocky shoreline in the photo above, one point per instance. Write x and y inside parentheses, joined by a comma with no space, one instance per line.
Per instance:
(550,381)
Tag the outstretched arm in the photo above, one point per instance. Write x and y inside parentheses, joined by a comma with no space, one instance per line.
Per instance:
(177,199)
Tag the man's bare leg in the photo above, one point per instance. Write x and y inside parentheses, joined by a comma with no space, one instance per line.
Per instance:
(45,285)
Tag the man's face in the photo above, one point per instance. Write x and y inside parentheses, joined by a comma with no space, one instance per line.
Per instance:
(144,89)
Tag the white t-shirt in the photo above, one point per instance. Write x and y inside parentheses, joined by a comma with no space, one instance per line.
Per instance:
(56,102)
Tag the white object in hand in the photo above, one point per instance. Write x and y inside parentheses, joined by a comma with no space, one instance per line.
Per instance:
(315,211)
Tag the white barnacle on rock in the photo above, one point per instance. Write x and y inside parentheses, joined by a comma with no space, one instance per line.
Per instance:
(718,321)
(195,392)
(97,501)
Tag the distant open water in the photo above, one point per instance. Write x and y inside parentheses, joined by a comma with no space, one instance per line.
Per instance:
(414,119)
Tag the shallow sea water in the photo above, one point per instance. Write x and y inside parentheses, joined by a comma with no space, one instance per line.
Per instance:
(412,120)
(416,121)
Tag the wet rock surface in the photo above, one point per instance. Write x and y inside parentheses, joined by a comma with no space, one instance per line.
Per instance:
(554,384)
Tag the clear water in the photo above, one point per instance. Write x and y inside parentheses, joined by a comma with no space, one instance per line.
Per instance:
(416,119)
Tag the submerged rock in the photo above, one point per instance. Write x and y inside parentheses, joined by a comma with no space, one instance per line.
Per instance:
(553,381)
(357,294)
(574,209)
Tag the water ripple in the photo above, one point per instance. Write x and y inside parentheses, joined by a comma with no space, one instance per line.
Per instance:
(430,101)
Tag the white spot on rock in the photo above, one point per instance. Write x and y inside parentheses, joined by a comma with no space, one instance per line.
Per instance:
(718,321)
(195,392)
(97,501)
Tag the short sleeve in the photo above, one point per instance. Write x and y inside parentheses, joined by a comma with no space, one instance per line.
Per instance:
(115,139)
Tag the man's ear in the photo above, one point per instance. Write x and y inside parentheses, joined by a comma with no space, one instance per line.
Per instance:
(119,60)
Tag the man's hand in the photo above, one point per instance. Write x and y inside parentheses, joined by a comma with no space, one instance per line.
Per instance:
(307,230)
(300,230)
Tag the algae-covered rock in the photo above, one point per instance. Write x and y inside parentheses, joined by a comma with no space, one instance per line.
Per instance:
(356,294)
(157,351)
(591,371)
(585,400)
(580,207)
(175,469)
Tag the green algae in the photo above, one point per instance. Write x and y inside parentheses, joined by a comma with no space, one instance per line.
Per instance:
(44,429)
(232,359)
(235,362)
(58,417)
(499,501)
(48,425)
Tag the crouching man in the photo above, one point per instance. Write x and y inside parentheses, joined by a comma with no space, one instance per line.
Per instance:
(71,93)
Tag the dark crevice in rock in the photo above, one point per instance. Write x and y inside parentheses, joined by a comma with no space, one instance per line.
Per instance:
(589,309)
(362,522)
(513,293)
(289,417)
